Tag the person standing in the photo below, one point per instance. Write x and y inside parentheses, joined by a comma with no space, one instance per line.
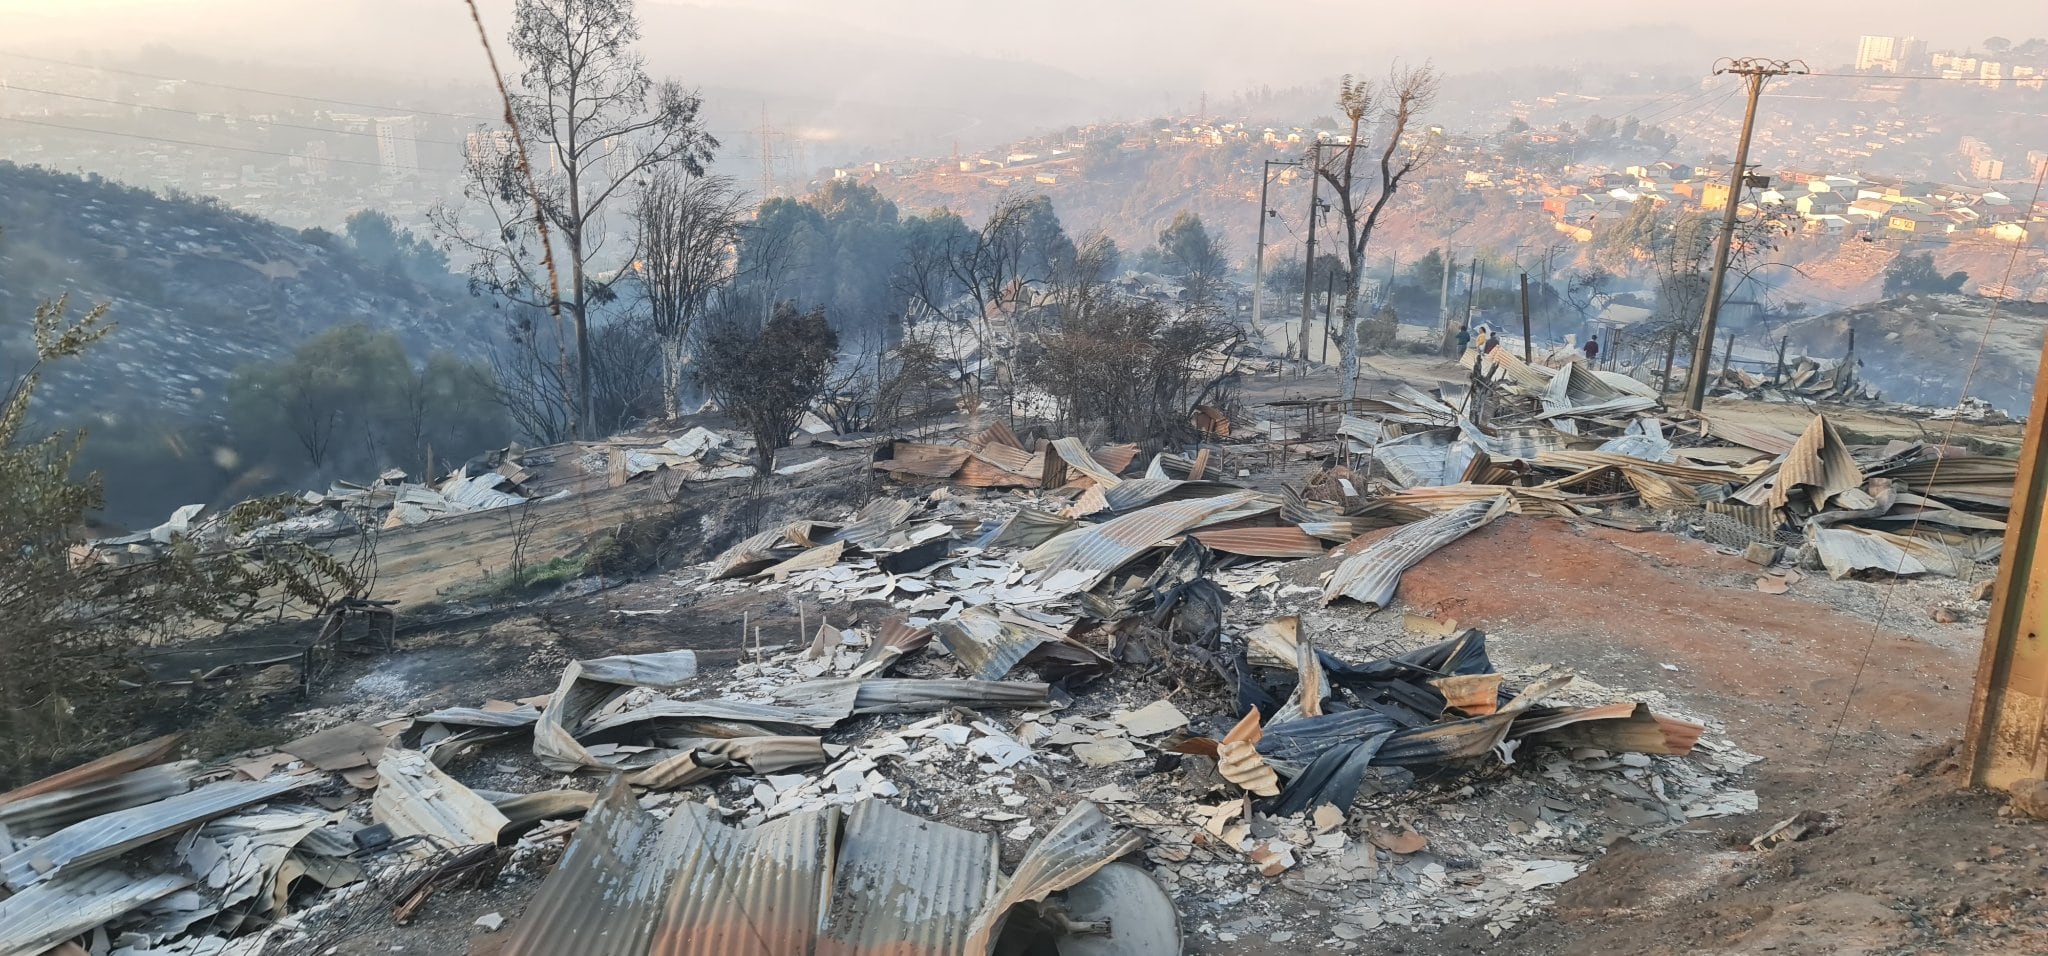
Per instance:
(1464,339)
(1593,351)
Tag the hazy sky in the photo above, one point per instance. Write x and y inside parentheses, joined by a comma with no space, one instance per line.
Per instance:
(1044,62)
(1230,43)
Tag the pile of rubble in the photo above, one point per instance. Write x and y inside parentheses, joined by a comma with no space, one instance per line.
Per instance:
(1152,694)
(496,479)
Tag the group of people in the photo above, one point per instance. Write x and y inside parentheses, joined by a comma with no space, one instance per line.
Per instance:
(1490,340)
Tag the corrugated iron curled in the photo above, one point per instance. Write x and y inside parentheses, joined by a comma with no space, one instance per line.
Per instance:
(1371,575)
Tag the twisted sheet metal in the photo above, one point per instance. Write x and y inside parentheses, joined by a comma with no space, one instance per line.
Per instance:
(1818,468)
(414,798)
(1288,541)
(1371,575)
(33,921)
(1096,550)
(56,809)
(145,754)
(1081,843)
(110,835)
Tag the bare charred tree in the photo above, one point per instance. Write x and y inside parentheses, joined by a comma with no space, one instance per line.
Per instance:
(687,228)
(767,378)
(1407,93)
(1131,368)
(584,98)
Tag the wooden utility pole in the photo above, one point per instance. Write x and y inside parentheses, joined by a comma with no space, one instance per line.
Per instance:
(2006,742)
(1308,276)
(1728,355)
(1754,71)
(1779,378)
(1471,286)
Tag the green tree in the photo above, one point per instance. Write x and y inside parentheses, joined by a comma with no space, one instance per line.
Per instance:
(71,623)
(1427,274)
(1192,255)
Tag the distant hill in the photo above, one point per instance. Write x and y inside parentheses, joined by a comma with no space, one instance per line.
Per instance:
(197,289)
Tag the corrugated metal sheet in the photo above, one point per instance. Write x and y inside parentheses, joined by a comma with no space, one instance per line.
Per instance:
(1690,474)
(414,798)
(1069,453)
(900,695)
(758,892)
(1528,377)
(1096,550)
(1844,551)
(1289,541)
(125,760)
(875,522)
(823,556)
(766,548)
(907,886)
(55,810)
(897,639)
(1757,519)
(1361,433)
(1818,468)
(987,645)
(110,835)
(1081,842)
(33,921)
(1028,528)
(1371,575)
(1763,438)
(481,717)
(1136,493)
(717,718)
(587,686)
(604,897)
(917,460)
(1421,459)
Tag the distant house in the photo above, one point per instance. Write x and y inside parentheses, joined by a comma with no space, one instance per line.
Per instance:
(1870,208)
(1574,232)
(1046,179)
(1713,195)
(1908,220)
(1815,205)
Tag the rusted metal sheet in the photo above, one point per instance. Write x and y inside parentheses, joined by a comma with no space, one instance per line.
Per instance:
(978,472)
(1759,520)
(604,897)
(757,892)
(54,810)
(907,886)
(1238,760)
(1659,492)
(1080,843)
(110,835)
(33,921)
(1371,575)
(1625,727)
(586,686)
(916,460)
(1136,493)
(145,754)
(1818,468)
(1690,474)
(414,798)
(1097,550)
(1288,541)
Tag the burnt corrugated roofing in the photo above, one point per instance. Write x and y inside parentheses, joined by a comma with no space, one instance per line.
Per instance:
(1371,575)
(110,835)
